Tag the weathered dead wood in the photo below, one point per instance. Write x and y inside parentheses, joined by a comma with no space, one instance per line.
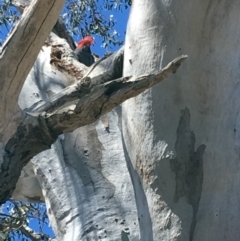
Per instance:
(59,28)
(20,51)
(96,100)
(104,70)
(78,105)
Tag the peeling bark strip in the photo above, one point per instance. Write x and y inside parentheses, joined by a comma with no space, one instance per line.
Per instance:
(76,106)
(21,49)
(188,166)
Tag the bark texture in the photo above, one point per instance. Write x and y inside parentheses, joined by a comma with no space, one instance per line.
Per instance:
(84,177)
(182,137)
(92,94)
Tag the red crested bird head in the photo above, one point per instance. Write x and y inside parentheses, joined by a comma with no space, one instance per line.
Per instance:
(85,41)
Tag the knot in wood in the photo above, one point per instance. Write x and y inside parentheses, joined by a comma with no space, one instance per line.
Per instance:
(85,82)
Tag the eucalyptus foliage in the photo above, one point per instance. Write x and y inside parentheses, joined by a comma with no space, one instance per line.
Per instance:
(15,218)
(82,17)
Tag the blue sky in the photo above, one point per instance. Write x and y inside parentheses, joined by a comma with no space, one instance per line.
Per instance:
(34,223)
(121,22)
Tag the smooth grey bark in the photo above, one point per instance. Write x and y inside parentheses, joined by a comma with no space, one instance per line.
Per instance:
(182,137)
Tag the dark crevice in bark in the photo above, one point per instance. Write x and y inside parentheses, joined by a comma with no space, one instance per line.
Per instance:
(188,167)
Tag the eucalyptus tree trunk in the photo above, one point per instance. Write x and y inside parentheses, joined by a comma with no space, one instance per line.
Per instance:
(84,178)
(164,166)
(182,136)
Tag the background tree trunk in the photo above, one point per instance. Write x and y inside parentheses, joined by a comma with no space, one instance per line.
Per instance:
(182,136)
